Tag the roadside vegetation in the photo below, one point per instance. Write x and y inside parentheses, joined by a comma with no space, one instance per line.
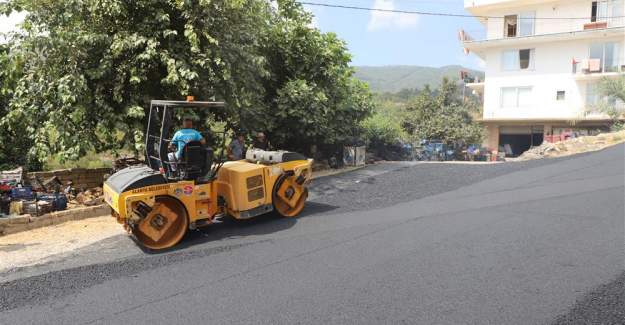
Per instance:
(79,77)
(613,101)
(383,129)
(76,82)
(413,115)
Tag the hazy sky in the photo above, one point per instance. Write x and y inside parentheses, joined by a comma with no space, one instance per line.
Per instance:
(7,24)
(377,38)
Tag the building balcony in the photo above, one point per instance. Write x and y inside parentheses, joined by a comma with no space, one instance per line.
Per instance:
(479,46)
(579,118)
(586,111)
(522,27)
(592,68)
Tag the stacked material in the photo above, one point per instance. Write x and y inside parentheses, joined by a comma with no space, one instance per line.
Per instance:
(34,198)
(45,192)
(89,197)
(80,178)
(10,179)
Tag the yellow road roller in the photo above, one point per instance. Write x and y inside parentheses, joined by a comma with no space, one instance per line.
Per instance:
(157,202)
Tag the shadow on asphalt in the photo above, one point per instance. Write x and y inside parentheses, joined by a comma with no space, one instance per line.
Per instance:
(233,228)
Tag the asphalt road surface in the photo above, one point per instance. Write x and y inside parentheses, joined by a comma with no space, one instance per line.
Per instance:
(538,242)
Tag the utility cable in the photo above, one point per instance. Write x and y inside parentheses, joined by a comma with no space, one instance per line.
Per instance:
(440,14)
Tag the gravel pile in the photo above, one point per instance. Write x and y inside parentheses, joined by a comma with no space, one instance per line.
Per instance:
(572,146)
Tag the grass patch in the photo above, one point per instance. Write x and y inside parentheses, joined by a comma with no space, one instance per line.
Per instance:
(90,160)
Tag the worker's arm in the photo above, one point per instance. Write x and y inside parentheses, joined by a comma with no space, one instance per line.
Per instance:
(229,152)
(173,145)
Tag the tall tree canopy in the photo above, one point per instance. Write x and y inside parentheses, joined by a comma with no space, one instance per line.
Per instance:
(81,74)
(442,115)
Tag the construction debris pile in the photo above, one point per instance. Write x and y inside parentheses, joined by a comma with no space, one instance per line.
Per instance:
(125,162)
(572,146)
(90,197)
(35,196)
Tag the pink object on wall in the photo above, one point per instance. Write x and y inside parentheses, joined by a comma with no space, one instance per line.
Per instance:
(594,65)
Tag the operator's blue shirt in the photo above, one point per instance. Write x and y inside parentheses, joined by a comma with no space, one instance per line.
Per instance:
(183,137)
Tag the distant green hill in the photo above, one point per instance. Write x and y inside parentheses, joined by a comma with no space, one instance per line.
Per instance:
(394,78)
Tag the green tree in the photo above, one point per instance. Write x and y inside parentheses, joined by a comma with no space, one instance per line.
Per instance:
(92,66)
(442,115)
(312,95)
(14,142)
(612,102)
(383,128)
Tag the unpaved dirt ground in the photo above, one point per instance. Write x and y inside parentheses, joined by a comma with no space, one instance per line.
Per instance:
(37,245)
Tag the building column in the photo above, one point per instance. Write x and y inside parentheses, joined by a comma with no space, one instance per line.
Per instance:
(492,137)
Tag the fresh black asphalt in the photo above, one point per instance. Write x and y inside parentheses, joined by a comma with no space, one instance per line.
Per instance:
(517,243)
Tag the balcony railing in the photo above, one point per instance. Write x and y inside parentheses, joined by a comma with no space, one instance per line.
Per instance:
(598,66)
(606,22)
(471,35)
(545,28)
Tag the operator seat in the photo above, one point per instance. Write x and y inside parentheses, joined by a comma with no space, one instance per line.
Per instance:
(196,161)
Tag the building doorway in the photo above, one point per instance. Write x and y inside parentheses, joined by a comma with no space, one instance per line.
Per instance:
(515,140)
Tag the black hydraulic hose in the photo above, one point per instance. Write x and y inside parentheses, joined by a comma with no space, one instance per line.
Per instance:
(221,157)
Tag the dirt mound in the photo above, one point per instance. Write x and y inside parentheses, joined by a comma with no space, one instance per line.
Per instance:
(572,146)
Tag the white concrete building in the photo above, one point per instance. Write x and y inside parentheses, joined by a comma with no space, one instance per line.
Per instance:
(543,62)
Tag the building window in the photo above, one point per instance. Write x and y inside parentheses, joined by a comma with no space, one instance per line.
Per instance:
(519,25)
(608,54)
(599,11)
(610,11)
(526,23)
(561,95)
(514,60)
(510,25)
(516,97)
(525,59)
(592,97)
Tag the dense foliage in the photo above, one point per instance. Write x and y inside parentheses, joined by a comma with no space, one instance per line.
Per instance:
(13,142)
(383,129)
(81,74)
(443,115)
(412,115)
(613,103)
